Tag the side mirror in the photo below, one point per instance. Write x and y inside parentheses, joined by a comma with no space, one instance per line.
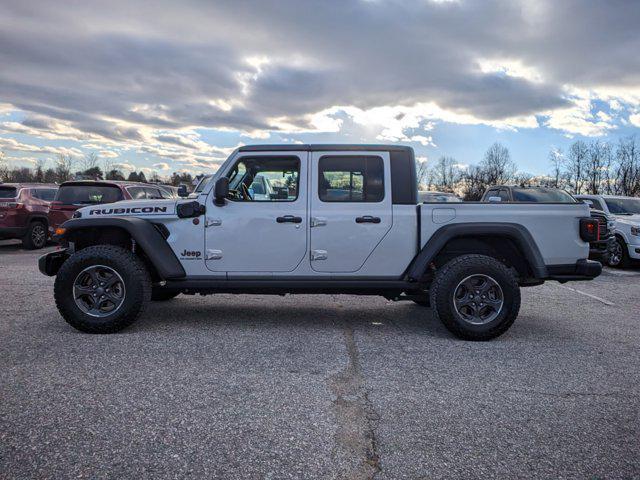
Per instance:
(182,191)
(588,202)
(221,190)
(494,199)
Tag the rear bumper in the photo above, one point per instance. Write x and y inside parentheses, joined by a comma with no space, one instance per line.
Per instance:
(582,270)
(50,263)
(12,232)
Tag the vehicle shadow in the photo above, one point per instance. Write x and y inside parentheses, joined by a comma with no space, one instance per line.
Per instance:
(266,313)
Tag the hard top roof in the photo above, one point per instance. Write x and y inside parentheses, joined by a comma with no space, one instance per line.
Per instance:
(324,148)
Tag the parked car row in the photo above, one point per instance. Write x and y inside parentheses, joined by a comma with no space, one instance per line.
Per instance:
(32,211)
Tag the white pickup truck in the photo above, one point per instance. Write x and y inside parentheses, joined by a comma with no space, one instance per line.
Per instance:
(337,219)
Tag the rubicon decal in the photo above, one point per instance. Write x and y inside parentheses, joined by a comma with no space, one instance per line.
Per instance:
(126,211)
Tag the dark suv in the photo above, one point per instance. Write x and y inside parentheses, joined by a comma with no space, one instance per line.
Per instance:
(23,212)
(598,250)
(80,193)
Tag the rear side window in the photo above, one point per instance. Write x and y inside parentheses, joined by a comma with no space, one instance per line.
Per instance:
(153,193)
(88,194)
(8,192)
(46,194)
(542,195)
(136,192)
(351,179)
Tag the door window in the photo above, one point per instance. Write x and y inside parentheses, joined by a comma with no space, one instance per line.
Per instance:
(153,193)
(504,195)
(351,179)
(136,192)
(265,179)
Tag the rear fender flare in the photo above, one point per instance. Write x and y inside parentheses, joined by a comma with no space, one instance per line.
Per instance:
(144,233)
(518,233)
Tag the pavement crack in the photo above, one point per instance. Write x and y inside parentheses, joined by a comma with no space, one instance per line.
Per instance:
(356,417)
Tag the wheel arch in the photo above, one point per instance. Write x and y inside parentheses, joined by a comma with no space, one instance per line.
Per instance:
(118,231)
(511,243)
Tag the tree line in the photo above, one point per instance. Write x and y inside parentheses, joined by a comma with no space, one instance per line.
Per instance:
(594,167)
(90,167)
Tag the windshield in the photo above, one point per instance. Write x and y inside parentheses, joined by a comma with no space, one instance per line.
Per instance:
(88,194)
(542,195)
(8,192)
(623,206)
(202,183)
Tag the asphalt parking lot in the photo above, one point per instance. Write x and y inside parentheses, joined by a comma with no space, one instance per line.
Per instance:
(320,387)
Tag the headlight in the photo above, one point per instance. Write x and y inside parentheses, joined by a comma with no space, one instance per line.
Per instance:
(635,231)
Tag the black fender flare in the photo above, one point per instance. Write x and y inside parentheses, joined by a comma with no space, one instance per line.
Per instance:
(146,235)
(39,216)
(513,231)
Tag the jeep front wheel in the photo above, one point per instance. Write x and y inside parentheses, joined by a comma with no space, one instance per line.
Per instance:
(102,289)
(476,297)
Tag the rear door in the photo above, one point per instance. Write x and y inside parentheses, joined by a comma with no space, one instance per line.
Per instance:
(351,209)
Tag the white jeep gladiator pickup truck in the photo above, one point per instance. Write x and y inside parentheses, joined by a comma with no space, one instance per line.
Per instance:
(335,219)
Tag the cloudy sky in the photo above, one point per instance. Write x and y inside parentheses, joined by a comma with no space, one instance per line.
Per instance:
(171,86)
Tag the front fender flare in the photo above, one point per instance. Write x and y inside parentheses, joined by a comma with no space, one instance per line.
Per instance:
(143,232)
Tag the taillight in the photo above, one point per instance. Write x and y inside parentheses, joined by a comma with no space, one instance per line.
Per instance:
(589,229)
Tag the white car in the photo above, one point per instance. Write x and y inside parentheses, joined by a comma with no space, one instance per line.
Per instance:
(331,219)
(626,211)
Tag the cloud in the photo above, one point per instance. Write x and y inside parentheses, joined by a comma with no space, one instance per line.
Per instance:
(635,119)
(161,166)
(107,75)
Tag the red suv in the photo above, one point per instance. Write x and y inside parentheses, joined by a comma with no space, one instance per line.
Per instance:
(80,193)
(23,212)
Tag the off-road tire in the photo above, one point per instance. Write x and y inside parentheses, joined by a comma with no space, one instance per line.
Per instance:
(625,260)
(448,278)
(136,280)
(159,294)
(36,236)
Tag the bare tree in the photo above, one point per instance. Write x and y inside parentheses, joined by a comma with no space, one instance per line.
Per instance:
(627,171)
(4,168)
(556,158)
(446,174)
(89,161)
(423,173)
(64,166)
(497,165)
(576,165)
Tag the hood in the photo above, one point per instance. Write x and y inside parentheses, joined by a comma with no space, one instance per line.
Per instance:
(628,219)
(131,208)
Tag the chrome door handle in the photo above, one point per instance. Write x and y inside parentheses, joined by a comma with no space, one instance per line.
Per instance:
(368,219)
(289,219)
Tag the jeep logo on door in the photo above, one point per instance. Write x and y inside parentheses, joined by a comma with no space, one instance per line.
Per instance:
(190,255)
(126,211)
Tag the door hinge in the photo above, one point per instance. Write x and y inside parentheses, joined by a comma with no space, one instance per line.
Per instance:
(318,222)
(214,254)
(318,255)
(212,222)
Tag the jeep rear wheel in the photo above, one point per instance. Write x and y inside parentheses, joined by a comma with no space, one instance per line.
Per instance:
(36,236)
(102,289)
(476,297)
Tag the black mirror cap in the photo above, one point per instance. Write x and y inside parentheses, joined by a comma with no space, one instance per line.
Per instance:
(190,209)
(221,190)
(182,191)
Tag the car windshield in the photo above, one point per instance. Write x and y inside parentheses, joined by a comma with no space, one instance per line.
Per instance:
(623,206)
(202,183)
(88,194)
(542,195)
(8,192)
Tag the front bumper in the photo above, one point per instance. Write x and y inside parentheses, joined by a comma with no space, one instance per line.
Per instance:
(50,263)
(634,252)
(600,250)
(582,270)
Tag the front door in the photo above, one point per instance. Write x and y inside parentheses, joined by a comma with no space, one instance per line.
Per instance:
(351,209)
(262,225)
